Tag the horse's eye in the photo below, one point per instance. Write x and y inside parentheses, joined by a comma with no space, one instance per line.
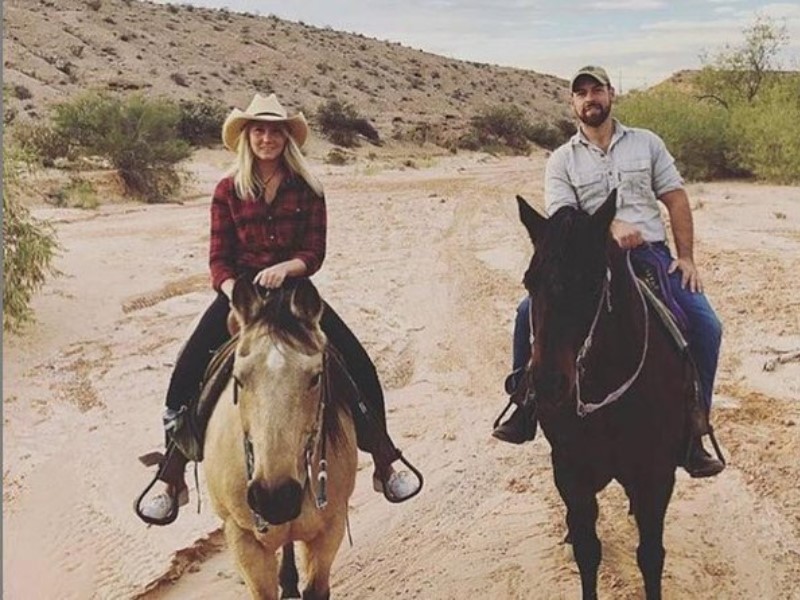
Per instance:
(315,381)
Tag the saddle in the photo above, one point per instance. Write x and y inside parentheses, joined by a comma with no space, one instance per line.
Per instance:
(189,431)
(653,280)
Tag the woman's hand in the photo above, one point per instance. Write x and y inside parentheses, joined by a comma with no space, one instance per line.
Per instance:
(274,276)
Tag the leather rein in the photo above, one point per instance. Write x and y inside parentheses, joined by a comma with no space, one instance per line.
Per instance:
(586,408)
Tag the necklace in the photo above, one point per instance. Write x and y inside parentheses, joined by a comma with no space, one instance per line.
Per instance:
(265,183)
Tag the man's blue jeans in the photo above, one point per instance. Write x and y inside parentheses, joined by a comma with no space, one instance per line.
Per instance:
(705,329)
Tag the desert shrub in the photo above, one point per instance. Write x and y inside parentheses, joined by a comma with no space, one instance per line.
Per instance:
(179,79)
(78,193)
(341,124)
(200,121)
(500,128)
(337,156)
(29,246)
(767,131)
(42,142)
(551,136)
(138,136)
(21,92)
(696,132)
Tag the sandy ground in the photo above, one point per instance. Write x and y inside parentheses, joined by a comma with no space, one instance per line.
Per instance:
(425,264)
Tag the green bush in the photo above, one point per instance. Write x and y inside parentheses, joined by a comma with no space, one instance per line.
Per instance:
(500,126)
(29,246)
(696,132)
(341,124)
(551,136)
(768,130)
(43,142)
(78,193)
(138,136)
(200,121)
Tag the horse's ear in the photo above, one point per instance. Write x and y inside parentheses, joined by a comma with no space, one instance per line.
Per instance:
(533,221)
(245,301)
(602,217)
(306,303)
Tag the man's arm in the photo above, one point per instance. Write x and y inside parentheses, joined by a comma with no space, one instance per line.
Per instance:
(680,216)
(558,188)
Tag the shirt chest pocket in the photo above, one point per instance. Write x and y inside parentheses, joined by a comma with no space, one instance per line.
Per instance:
(590,186)
(635,181)
(289,224)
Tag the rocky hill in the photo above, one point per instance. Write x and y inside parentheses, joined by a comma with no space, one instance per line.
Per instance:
(54,49)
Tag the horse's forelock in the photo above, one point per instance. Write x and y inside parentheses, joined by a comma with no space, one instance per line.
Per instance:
(566,252)
(276,316)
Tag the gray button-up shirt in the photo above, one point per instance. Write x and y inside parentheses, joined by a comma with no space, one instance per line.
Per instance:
(637,163)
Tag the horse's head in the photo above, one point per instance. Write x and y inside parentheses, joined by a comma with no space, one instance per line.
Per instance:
(565,279)
(278,372)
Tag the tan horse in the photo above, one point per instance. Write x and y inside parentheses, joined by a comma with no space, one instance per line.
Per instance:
(266,444)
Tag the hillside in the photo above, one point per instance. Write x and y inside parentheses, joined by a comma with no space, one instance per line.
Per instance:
(56,49)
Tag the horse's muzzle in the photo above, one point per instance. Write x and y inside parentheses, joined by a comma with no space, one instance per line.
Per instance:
(276,504)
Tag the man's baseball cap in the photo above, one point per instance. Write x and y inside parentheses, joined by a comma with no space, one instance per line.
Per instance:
(597,73)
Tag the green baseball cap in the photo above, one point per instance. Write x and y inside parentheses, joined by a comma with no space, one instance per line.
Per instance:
(597,73)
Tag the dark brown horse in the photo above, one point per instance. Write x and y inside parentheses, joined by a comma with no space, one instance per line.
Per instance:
(597,344)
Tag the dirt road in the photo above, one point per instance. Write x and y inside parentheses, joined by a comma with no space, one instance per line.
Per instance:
(425,264)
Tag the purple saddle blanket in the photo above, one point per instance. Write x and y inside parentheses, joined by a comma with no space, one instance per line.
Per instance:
(652,272)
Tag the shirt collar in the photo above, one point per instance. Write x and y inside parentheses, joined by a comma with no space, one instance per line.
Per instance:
(619,131)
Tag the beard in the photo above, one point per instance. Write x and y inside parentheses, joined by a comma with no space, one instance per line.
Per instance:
(596,118)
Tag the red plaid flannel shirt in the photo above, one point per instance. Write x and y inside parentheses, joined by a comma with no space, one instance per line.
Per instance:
(248,236)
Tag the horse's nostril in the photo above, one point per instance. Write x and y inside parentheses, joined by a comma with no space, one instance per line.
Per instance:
(277,504)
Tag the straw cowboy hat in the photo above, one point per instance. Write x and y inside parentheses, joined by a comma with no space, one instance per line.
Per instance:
(263,109)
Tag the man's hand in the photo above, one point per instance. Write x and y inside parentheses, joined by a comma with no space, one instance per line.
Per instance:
(626,235)
(689,274)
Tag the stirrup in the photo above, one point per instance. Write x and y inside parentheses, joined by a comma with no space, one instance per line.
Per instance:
(380,486)
(178,498)
(719,456)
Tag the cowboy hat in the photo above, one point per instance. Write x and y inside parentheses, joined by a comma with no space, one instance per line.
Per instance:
(263,109)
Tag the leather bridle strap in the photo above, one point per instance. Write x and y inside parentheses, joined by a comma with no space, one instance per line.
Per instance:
(582,407)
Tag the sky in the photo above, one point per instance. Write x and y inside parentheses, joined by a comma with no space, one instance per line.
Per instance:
(640,42)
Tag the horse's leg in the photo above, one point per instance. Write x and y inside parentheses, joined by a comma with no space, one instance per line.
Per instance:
(288,575)
(320,553)
(652,498)
(258,567)
(581,519)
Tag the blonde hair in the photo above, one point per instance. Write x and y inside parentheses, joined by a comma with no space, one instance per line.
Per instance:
(247,184)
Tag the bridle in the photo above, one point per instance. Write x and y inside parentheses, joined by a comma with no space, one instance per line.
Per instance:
(586,408)
(316,439)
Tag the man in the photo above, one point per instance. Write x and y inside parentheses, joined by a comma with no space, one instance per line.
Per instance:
(602,155)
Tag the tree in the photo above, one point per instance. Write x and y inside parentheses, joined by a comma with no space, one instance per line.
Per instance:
(737,73)
(341,124)
(137,135)
(29,247)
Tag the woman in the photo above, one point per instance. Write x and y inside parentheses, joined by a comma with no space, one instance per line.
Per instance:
(268,223)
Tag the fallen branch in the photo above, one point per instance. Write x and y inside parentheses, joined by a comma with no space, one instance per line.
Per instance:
(781,359)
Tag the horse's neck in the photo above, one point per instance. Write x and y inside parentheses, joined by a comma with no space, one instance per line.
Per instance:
(625,321)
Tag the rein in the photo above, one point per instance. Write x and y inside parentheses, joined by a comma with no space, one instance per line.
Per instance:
(582,407)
